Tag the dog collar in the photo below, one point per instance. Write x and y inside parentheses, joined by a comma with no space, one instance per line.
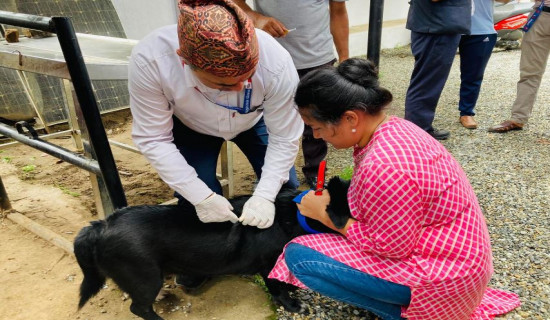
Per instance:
(301,218)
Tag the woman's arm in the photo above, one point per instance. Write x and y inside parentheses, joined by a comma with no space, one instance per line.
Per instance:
(386,207)
(315,207)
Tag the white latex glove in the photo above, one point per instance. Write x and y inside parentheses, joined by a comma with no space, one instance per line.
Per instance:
(215,208)
(258,212)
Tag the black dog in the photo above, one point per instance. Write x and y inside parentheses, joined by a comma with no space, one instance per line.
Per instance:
(138,246)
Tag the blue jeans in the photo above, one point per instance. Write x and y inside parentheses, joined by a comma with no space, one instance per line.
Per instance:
(201,151)
(475,51)
(341,282)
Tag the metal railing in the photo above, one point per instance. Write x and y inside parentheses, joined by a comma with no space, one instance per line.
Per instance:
(103,163)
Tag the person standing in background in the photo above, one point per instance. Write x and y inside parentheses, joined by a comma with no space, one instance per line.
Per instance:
(475,50)
(535,48)
(307,30)
(436,28)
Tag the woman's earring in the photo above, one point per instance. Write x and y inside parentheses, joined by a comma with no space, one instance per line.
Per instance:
(353,130)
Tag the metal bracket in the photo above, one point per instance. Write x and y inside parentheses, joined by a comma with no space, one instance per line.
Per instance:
(24,124)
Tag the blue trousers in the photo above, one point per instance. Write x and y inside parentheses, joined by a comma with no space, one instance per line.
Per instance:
(433,58)
(201,151)
(475,51)
(341,282)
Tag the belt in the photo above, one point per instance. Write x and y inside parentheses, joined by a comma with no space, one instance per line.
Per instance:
(546,9)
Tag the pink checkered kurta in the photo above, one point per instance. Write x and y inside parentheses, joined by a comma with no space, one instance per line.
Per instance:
(418,224)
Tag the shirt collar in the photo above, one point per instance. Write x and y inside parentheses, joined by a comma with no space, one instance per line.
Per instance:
(191,81)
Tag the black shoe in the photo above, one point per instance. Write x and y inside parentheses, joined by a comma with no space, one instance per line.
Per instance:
(311,182)
(439,134)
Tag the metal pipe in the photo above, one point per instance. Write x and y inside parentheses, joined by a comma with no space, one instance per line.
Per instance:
(43,137)
(27,21)
(52,149)
(88,104)
(376,16)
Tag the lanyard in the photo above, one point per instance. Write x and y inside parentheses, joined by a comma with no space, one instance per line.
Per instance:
(246,102)
(533,17)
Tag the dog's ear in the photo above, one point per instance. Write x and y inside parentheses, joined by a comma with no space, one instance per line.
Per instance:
(338,208)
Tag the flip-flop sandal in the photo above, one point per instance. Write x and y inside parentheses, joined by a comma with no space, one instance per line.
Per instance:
(506,126)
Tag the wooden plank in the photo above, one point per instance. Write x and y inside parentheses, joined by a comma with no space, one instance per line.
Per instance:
(227,169)
(16,60)
(42,231)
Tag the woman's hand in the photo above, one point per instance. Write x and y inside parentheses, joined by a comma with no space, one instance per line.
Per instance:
(315,207)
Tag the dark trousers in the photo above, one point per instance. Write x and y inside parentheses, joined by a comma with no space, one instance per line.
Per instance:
(201,151)
(433,58)
(475,51)
(314,150)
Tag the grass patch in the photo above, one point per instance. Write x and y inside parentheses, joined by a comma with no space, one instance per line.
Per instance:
(347,173)
(67,191)
(29,168)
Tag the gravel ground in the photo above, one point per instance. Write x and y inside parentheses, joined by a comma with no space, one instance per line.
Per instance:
(509,172)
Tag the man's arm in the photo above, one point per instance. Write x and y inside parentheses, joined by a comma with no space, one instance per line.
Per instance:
(268,24)
(339,27)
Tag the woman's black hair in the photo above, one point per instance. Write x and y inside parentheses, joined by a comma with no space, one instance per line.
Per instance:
(327,93)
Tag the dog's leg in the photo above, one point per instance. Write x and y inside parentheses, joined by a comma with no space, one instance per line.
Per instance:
(143,283)
(279,291)
(145,312)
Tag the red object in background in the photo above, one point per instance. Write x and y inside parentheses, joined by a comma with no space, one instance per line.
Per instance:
(321,178)
(512,23)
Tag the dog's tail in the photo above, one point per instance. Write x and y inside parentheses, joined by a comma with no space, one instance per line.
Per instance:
(84,250)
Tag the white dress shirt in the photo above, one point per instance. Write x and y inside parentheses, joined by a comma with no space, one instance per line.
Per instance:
(160,86)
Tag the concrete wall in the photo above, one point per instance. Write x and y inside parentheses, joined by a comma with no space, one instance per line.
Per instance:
(393,32)
(139,17)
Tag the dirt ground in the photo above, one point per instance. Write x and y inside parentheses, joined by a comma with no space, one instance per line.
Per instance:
(40,281)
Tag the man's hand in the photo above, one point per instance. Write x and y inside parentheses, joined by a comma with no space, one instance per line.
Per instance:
(215,208)
(258,212)
(270,25)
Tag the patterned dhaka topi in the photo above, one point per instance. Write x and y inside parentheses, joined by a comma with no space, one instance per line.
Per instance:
(216,36)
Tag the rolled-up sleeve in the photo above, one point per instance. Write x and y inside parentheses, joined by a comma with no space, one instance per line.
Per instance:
(284,126)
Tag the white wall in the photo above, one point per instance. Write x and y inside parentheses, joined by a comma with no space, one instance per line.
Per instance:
(139,17)
(393,27)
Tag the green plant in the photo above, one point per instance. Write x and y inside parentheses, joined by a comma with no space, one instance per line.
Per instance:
(29,168)
(67,191)
(347,173)
(6,159)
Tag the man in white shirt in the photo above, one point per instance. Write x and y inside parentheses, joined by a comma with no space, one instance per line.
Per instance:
(213,78)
